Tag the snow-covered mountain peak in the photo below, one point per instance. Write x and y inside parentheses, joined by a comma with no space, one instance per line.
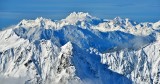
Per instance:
(67,48)
(119,19)
(42,20)
(124,21)
(37,23)
(156,25)
(80,18)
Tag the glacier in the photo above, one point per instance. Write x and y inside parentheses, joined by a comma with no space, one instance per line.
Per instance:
(80,49)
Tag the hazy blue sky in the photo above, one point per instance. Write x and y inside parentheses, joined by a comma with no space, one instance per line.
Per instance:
(12,11)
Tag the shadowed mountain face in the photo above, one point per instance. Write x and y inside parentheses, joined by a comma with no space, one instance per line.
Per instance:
(80,49)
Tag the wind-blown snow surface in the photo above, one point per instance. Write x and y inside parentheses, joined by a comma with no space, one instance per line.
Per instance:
(80,49)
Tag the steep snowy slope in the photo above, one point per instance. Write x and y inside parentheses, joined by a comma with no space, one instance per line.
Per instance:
(80,49)
(142,66)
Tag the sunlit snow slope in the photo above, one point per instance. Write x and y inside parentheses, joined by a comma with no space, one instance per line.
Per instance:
(80,49)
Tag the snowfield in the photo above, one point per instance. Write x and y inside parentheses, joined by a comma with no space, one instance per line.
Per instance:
(80,49)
